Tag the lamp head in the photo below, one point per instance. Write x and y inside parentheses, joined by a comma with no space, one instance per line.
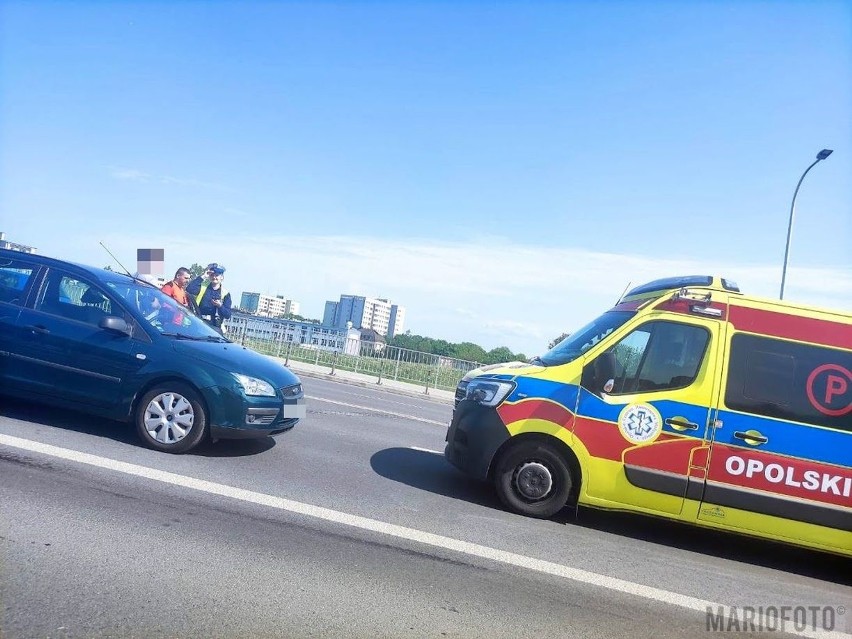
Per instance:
(824,154)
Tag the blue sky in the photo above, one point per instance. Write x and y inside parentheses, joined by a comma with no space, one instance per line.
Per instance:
(501,169)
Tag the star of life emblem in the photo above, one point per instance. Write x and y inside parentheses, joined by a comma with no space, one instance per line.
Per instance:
(640,423)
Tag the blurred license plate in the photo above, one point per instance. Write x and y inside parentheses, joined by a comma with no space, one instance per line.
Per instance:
(290,411)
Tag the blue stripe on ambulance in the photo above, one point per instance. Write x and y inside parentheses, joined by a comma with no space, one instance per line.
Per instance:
(530,387)
(594,407)
(788,438)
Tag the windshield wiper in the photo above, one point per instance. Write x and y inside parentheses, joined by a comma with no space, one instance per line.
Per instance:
(197,338)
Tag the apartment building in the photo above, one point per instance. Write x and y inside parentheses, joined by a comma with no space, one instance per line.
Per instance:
(293,332)
(376,314)
(268,306)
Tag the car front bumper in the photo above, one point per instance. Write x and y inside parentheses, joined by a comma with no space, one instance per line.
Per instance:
(235,416)
(475,435)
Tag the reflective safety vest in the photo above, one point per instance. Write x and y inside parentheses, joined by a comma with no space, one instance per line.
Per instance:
(204,286)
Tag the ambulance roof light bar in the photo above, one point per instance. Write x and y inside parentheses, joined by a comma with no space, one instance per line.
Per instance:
(669,283)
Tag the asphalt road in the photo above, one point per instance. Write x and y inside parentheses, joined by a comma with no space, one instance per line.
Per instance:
(351,525)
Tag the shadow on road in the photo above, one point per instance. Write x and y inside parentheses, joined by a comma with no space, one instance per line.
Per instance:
(234,447)
(431,472)
(428,471)
(118,431)
(729,546)
(67,420)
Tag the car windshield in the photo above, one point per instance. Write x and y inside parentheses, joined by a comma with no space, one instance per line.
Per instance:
(164,313)
(578,343)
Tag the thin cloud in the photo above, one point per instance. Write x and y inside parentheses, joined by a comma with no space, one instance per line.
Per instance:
(135,175)
(130,175)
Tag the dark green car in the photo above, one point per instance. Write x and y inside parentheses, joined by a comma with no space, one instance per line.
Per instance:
(105,343)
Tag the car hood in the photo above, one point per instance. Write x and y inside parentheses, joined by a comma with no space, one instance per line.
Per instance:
(506,368)
(237,359)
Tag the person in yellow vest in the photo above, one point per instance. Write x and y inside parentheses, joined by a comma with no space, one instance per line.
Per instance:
(211,298)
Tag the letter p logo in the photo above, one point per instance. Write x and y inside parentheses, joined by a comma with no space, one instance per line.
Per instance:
(834,385)
(829,389)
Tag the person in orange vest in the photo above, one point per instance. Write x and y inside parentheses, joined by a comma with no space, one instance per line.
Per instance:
(177,287)
(213,301)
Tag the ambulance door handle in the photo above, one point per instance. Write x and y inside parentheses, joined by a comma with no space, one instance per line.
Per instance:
(751,437)
(679,423)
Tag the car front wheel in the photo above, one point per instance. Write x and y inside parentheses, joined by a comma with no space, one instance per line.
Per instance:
(171,417)
(533,478)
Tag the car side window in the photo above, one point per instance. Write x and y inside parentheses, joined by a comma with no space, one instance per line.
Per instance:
(656,356)
(75,299)
(14,277)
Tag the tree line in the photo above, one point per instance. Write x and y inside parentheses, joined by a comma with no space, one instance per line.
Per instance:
(465,350)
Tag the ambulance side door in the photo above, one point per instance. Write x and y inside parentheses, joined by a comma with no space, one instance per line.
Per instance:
(653,402)
(783,442)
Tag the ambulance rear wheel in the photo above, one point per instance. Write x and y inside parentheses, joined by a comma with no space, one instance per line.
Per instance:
(533,479)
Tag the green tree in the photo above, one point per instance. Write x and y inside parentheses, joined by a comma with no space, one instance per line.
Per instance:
(557,340)
(468,351)
(499,355)
(196,269)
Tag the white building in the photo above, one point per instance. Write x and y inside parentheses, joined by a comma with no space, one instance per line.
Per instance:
(377,314)
(284,331)
(268,306)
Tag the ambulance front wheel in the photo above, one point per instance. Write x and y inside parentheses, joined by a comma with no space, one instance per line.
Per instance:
(533,479)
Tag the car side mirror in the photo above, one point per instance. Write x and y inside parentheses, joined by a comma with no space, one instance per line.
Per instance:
(114,324)
(599,375)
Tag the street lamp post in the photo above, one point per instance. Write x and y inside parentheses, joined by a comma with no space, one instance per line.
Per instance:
(820,156)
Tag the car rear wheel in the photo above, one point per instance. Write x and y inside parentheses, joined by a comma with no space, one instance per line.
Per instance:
(533,479)
(170,417)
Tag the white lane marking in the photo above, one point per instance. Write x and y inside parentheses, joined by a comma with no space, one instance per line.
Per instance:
(379,410)
(384,395)
(372,525)
(427,450)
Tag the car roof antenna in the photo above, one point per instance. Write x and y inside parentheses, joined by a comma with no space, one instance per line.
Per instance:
(621,297)
(116,260)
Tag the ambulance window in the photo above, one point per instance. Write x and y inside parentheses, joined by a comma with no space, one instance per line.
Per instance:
(656,356)
(790,380)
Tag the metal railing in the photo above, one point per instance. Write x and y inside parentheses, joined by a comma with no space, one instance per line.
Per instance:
(367,358)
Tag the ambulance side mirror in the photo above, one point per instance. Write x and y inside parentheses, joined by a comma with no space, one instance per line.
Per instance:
(605,372)
(599,375)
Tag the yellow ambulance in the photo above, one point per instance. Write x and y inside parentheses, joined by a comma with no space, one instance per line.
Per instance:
(687,400)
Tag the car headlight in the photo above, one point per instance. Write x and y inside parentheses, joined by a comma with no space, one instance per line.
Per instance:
(488,392)
(254,387)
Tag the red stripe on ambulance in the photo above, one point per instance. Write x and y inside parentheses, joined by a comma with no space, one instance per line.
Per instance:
(535,408)
(789,326)
(776,474)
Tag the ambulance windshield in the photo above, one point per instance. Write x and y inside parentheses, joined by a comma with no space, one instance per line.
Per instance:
(578,343)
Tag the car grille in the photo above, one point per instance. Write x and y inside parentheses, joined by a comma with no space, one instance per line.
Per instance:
(461,392)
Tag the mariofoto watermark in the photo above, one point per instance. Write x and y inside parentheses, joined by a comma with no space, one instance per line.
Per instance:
(779,619)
